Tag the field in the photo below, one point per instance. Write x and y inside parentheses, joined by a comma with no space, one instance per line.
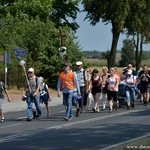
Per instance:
(98,64)
(102,62)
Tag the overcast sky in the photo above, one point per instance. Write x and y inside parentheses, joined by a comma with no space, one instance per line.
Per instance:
(97,37)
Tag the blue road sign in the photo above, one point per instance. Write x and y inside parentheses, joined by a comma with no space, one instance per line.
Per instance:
(19,52)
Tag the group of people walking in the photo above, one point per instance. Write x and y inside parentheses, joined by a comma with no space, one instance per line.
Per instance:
(89,84)
(80,87)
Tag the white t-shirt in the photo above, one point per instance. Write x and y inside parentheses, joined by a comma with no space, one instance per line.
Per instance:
(130,79)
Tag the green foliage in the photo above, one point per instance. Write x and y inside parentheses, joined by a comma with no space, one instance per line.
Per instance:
(127,53)
(27,25)
(114,12)
(64,13)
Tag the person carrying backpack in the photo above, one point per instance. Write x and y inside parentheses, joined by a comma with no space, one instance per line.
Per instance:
(144,77)
(31,94)
(2,91)
(45,95)
(83,83)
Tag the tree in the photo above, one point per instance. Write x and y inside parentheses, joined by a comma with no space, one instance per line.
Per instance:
(127,53)
(64,13)
(108,11)
(138,25)
(27,25)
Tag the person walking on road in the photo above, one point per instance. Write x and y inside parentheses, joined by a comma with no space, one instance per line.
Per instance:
(45,95)
(96,89)
(112,89)
(3,91)
(67,82)
(83,83)
(130,88)
(144,77)
(31,93)
(103,84)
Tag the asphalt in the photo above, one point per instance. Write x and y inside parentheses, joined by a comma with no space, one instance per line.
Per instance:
(19,105)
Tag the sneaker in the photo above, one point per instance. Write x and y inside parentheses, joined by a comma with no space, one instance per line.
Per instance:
(94,110)
(34,114)
(38,116)
(66,118)
(48,115)
(78,112)
(128,107)
(146,103)
(110,111)
(2,120)
(102,109)
(132,105)
(28,119)
(70,118)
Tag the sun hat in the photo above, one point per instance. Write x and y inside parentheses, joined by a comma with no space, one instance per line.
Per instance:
(31,70)
(78,63)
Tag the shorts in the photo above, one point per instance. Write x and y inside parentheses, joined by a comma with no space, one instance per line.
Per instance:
(1,103)
(144,88)
(44,98)
(96,90)
(112,95)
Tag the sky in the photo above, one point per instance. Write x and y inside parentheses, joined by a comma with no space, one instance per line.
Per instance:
(97,37)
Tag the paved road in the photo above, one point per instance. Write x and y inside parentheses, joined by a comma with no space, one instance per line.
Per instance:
(90,131)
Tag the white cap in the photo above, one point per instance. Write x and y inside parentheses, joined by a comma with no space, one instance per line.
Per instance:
(129,71)
(31,70)
(78,63)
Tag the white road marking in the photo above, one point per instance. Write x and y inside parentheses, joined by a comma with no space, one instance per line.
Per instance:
(125,142)
(17,124)
(92,119)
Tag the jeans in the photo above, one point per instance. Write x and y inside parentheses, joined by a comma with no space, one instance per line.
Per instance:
(30,100)
(130,94)
(74,98)
(67,97)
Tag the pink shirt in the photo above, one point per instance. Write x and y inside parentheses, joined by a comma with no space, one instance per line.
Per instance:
(113,82)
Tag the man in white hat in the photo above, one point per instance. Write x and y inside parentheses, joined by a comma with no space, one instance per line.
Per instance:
(31,92)
(83,83)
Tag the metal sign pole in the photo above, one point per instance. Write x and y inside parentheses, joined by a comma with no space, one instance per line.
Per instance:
(5,66)
(22,62)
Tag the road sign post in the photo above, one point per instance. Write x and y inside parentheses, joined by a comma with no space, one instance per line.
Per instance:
(20,53)
(6,61)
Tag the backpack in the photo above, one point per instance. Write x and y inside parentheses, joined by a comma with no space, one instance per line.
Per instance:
(44,96)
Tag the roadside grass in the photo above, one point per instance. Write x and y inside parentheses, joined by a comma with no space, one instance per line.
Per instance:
(15,91)
(135,145)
